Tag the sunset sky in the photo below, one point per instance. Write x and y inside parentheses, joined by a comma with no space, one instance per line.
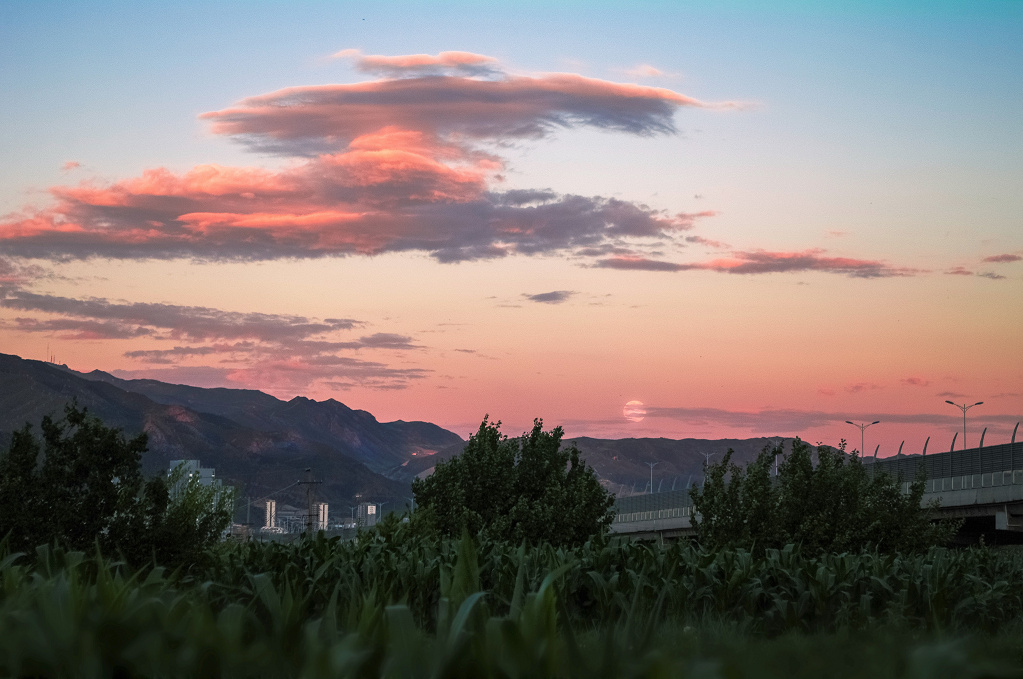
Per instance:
(751,218)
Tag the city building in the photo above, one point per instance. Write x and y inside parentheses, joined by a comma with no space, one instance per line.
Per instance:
(366,514)
(271,515)
(321,516)
(193,468)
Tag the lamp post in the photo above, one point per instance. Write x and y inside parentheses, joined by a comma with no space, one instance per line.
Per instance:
(964,408)
(863,427)
(652,465)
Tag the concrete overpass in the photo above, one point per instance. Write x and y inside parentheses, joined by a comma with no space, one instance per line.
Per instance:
(983,486)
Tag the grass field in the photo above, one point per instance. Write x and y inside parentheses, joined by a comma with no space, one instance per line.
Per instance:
(409,607)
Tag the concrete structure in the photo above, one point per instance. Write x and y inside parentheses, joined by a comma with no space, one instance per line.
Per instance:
(981,485)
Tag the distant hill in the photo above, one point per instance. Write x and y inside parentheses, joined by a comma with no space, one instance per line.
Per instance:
(254,440)
(381,446)
(622,464)
(261,444)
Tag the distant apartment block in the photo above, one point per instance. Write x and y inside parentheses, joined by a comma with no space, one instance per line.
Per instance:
(193,469)
(321,515)
(366,514)
(271,515)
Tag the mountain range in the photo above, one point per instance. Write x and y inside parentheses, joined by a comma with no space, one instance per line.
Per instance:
(261,444)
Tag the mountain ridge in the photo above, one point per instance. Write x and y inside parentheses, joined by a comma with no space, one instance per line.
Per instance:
(261,443)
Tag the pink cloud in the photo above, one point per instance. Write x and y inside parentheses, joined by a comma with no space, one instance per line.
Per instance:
(1002,259)
(412,65)
(644,71)
(760,262)
(916,382)
(381,166)
(707,241)
(70,165)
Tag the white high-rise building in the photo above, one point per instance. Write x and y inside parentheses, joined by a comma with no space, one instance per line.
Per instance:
(271,514)
(321,515)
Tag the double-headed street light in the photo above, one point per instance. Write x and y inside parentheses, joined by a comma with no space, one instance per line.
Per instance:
(964,408)
(863,428)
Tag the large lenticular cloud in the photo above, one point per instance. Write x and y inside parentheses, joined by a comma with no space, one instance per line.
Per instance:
(402,163)
(297,119)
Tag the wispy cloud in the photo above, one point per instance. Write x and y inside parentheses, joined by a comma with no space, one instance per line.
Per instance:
(792,421)
(1003,259)
(553,297)
(175,321)
(761,262)
(421,65)
(915,382)
(282,352)
(963,271)
(13,274)
(861,387)
(644,71)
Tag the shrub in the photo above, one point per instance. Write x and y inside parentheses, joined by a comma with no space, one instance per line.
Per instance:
(528,488)
(833,506)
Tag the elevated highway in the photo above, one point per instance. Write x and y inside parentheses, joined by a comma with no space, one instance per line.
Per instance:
(984,486)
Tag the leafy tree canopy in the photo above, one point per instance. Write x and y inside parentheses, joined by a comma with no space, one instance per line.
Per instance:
(833,506)
(88,489)
(528,488)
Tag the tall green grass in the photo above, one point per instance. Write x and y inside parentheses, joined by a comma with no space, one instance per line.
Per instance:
(600,583)
(396,607)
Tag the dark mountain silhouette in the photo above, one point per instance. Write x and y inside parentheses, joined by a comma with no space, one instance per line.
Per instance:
(261,444)
(381,446)
(254,440)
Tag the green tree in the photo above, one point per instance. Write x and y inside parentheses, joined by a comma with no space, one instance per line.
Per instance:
(527,488)
(833,506)
(88,488)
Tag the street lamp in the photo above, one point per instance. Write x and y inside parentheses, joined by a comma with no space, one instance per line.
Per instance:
(863,428)
(964,408)
(652,465)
